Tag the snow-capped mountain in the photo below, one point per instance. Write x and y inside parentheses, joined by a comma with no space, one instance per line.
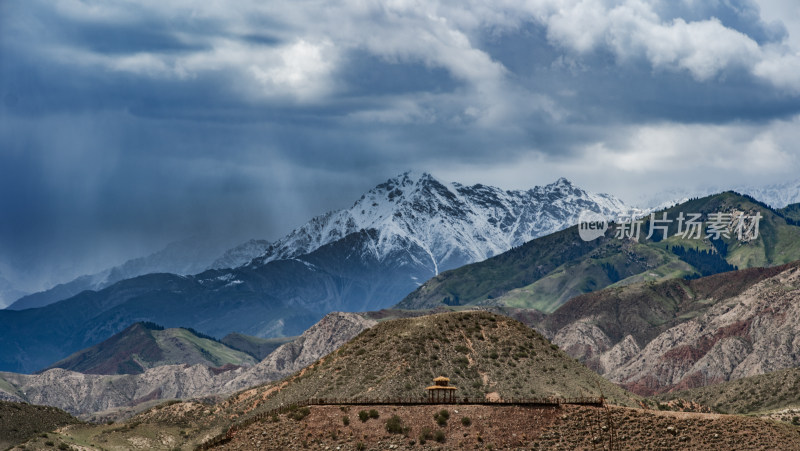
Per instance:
(454,224)
(241,254)
(777,195)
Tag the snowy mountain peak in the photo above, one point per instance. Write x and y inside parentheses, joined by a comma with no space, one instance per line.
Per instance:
(453,224)
(562,181)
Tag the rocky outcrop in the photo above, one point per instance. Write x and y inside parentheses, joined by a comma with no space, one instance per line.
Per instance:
(620,354)
(321,339)
(583,340)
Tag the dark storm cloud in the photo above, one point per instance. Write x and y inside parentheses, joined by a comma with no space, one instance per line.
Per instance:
(128,125)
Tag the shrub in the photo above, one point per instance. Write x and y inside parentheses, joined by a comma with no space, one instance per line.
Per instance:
(373,414)
(394,425)
(346,421)
(439,436)
(300,413)
(63,445)
(466,421)
(360,446)
(49,443)
(444,413)
(424,435)
(363,416)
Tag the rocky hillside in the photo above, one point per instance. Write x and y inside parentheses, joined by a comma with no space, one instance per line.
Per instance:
(751,333)
(88,395)
(146,345)
(678,334)
(606,328)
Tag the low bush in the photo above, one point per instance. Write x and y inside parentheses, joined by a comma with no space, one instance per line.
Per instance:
(425,435)
(300,413)
(394,425)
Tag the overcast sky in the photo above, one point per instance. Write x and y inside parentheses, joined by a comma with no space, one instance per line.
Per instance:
(128,124)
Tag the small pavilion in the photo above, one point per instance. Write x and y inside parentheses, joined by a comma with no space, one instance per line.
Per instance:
(441,390)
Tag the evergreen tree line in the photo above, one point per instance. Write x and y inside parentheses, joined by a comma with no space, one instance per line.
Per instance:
(706,262)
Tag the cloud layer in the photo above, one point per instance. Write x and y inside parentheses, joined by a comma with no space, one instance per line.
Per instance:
(127,124)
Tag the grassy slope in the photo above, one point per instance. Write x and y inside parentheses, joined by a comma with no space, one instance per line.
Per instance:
(791,211)
(546,272)
(214,352)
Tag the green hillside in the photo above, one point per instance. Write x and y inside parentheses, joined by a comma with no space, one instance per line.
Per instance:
(791,212)
(546,272)
(146,345)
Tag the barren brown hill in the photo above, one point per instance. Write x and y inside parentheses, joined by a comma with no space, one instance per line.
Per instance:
(484,355)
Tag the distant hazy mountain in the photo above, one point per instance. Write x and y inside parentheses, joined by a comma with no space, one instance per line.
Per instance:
(241,254)
(776,195)
(188,256)
(8,292)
